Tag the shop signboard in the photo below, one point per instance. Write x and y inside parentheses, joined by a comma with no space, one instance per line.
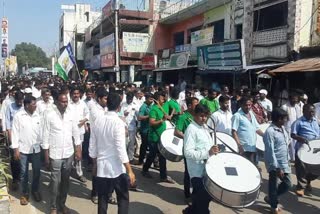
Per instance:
(222,56)
(95,62)
(179,60)
(107,60)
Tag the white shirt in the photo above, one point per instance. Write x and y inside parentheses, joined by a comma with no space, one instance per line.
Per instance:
(80,111)
(36,93)
(222,120)
(26,132)
(131,118)
(266,104)
(317,109)
(294,112)
(108,145)
(4,107)
(42,106)
(58,131)
(96,110)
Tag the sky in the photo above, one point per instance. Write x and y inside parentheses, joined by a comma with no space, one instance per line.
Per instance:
(37,21)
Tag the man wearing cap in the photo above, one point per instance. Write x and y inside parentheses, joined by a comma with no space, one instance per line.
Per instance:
(265,102)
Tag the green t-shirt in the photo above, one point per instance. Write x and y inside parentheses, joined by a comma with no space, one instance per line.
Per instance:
(173,104)
(156,131)
(144,111)
(165,107)
(183,121)
(213,105)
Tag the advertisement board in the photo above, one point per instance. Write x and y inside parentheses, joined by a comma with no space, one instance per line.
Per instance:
(135,42)
(179,60)
(107,60)
(95,62)
(148,63)
(107,44)
(4,37)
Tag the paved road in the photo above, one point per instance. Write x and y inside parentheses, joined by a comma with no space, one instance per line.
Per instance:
(159,198)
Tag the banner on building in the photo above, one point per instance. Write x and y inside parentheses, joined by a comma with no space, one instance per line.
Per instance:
(107,44)
(202,36)
(179,60)
(107,60)
(136,42)
(4,37)
(222,56)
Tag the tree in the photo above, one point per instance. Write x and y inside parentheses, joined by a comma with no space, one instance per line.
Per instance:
(31,55)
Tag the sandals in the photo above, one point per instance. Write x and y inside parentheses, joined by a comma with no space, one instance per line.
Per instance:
(112,200)
(24,200)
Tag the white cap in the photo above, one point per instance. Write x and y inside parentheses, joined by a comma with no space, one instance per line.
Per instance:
(263,91)
(305,96)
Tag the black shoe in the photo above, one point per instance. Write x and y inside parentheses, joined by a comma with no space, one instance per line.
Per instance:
(37,196)
(266,199)
(146,174)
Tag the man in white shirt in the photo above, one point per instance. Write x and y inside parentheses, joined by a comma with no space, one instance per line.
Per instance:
(265,102)
(111,162)
(9,99)
(59,127)
(130,111)
(222,117)
(80,113)
(45,102)
(26,144)
(294,111)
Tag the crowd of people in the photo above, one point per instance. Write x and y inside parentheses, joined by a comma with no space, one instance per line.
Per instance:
(111,126)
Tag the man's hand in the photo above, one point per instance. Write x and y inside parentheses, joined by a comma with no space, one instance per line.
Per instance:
(214,150)
(16,154)
(132,178)
(241,150)
(167,117)
(82,122)
(78,153)
(280,173)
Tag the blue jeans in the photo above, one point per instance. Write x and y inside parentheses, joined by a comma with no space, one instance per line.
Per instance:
(24,175)
(276,190)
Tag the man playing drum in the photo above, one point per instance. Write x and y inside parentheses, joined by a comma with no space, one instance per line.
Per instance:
(182,124)
(303,130)
(157,118)
(198,147)
(244,130)
(276,158)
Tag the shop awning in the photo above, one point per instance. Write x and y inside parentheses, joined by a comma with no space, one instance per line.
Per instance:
(173,69)
(302,65)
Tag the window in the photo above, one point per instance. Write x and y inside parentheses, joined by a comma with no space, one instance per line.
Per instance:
(218,31)
(271,17)
(239,31)
(87,16)
(178,38)
(61,34)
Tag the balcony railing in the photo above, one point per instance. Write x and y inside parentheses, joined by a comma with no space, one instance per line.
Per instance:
(177,6)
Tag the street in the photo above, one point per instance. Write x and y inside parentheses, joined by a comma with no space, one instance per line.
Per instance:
(160,198)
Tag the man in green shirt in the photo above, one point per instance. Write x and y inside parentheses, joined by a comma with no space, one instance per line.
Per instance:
(210,101)
(144,127)
(174,107)
(182,124)
(157,118)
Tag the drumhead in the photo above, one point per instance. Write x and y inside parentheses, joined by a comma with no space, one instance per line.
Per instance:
(169,125)
(227,139)
(172,144)
(260,143)
(233,172)
(307,156)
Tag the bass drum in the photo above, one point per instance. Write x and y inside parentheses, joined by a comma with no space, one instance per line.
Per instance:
(232,180)
(260,144)
(169,125)
(171,147)
(227,139)
(310,157)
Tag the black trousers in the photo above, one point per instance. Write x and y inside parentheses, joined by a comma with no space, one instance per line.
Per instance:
(143,146)
(15,167)
(153,147)
(200,197)
(186,180)
(106,186)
